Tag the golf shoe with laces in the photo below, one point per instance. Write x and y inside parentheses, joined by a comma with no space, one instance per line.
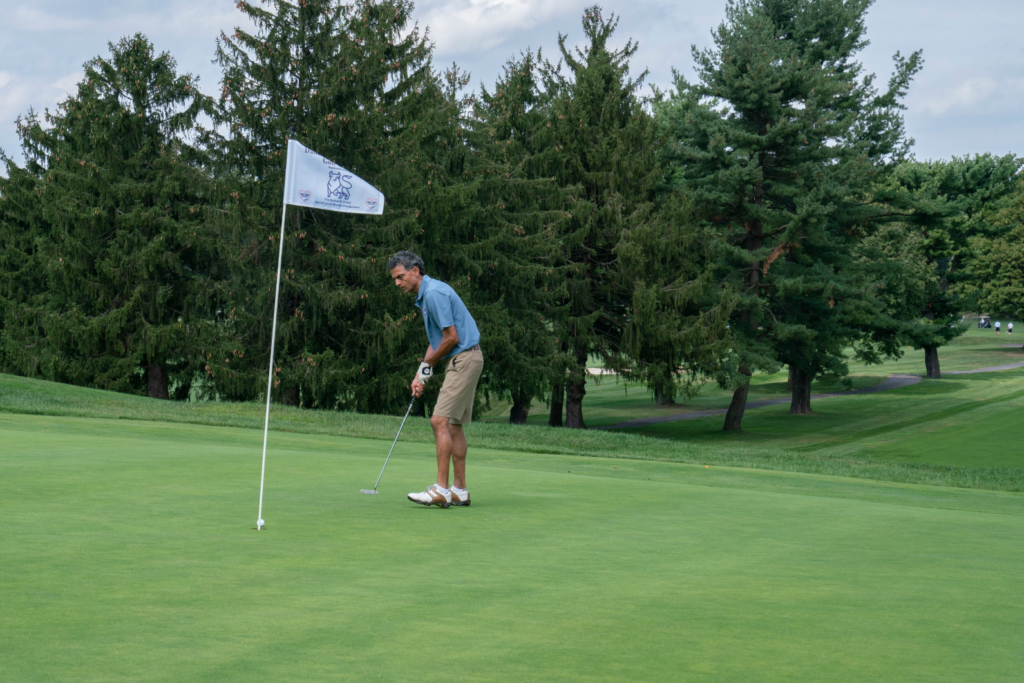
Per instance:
(432,496)
(460,499)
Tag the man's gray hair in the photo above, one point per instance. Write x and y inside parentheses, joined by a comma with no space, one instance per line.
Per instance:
(407,260)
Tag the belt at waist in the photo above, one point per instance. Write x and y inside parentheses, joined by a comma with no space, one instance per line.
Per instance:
(471,348)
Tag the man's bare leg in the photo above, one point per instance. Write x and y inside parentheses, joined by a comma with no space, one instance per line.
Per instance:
(458,439)
(443,444)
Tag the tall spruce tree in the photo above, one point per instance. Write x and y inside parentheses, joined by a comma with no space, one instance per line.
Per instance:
(354,83)
(779,143)
(114,198)
(676,332)
(23,282)
(520,213)
(599,141)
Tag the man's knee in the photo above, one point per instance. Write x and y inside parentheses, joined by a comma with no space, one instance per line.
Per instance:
(439,422)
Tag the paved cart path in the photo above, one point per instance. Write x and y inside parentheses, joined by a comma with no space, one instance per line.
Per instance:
(890,382)
(994,368)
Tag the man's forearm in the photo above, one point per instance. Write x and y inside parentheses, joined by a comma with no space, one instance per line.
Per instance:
(442,350)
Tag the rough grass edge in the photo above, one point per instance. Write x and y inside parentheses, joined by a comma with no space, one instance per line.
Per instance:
(20,395)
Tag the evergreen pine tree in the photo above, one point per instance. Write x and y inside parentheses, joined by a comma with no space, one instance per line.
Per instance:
(519,215)
(947,204)
(23,282)
(779,142)
(600,142)
(353,83)
(115,201)
(676,330)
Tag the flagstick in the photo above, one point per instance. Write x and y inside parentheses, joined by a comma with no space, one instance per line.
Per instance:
(270,373)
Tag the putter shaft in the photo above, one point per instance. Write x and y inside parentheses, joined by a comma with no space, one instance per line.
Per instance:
(407,411)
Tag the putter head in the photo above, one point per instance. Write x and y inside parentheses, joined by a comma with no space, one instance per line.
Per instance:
(368,492)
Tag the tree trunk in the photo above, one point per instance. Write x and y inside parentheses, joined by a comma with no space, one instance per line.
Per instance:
(156,386)
(789,380)
(931,362)
(931,353)
(182,392)
(290,397)
(801,404)
(575,389)
(664,398)
(734,416)
(557,401)
(520,408)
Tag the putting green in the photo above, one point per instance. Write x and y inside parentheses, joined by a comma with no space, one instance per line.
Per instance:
(128,554)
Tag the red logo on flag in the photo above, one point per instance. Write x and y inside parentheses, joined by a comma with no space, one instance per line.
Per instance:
(304,195)
(371,203)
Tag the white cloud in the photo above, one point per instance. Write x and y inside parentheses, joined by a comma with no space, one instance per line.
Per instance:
(968,92)
(467,26)
(18,95)
(33,19)
(975,92)
(67,83)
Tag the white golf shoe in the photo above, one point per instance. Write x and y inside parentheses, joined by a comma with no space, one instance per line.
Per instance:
(432,496)
(460,499)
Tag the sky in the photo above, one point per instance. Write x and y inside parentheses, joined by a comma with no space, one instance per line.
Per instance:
(969,99)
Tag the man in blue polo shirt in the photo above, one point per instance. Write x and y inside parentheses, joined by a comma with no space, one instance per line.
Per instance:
(452,334)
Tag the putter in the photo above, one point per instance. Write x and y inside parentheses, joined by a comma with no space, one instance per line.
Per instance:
(374,491)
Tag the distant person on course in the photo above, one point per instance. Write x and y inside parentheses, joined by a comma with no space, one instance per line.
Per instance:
(997,328)
(1009,328)
(453,334)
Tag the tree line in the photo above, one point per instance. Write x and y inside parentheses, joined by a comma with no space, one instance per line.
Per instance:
(770,213)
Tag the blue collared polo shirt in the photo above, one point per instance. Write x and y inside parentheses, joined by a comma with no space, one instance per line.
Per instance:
(441,308)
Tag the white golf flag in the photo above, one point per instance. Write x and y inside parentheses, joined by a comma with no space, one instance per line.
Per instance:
(319,183)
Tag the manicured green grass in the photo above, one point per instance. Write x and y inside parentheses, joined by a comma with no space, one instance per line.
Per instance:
(128,554)
(860,425)
(962,420)
(34,397)
(609,401)
(992,440)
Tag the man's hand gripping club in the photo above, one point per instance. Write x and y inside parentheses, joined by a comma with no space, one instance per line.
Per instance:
(422,375)
(449,340)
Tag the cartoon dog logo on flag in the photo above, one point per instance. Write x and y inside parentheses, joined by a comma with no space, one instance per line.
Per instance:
(338,185)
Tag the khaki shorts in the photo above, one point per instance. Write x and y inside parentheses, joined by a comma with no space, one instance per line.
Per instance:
(459,389)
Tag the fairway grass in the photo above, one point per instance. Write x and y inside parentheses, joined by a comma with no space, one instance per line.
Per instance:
(129,554)
(609,400)
(703,444)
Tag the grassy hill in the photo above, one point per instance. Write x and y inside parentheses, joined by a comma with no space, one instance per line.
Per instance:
(609,400)
(946,432)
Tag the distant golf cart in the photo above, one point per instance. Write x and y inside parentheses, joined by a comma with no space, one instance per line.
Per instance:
(984,323)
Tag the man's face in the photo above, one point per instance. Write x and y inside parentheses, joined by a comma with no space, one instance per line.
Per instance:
(407,280)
